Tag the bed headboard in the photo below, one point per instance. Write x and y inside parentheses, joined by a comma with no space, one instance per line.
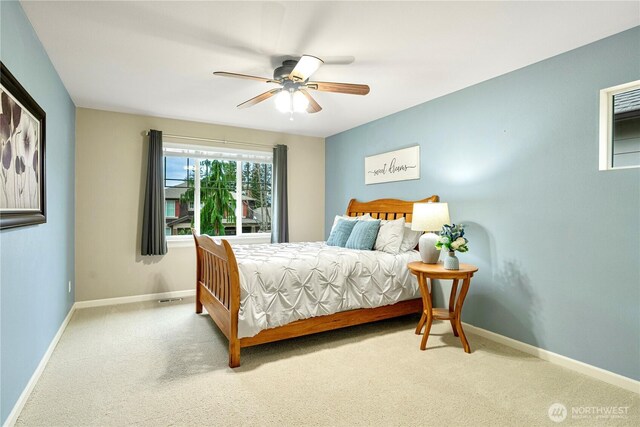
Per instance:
(386,208)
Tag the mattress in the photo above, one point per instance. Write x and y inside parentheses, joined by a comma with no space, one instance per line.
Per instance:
(281,283)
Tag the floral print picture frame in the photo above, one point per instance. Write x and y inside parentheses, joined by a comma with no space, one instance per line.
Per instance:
(22,155)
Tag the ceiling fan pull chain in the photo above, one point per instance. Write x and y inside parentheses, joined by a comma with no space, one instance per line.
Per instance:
(291,104)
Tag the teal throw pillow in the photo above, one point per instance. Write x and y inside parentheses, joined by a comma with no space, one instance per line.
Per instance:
(340,233)
(363,236)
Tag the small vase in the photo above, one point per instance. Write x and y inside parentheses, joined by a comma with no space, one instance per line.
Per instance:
(451,262)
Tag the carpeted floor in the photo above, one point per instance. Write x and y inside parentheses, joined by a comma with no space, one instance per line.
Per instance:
(161,364)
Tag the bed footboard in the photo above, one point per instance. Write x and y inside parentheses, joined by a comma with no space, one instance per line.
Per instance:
(218,289)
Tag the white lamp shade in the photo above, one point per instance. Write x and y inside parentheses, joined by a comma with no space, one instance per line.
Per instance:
(430,216)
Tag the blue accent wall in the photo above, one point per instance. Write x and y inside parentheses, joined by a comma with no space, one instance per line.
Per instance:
(37,261)
(516,158)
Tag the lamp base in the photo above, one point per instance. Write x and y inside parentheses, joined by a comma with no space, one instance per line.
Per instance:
(427,246)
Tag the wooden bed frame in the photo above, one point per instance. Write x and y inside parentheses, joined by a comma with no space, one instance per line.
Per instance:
(218,287)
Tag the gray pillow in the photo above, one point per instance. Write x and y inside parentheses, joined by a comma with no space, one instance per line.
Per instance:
(390,236)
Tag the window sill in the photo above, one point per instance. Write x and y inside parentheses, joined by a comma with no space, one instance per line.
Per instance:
(616,168)
(245,239)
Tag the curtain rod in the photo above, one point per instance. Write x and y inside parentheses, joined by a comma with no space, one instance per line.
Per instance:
(222,141)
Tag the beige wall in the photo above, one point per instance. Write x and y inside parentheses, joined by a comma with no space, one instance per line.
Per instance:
(110,167)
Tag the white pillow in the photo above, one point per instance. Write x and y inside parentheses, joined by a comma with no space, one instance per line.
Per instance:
(390,236)
(365,217)
(410,238)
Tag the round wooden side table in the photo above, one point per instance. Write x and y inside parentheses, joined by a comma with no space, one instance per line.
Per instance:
(428,272)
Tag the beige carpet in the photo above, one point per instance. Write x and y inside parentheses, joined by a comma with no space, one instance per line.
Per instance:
(161,364)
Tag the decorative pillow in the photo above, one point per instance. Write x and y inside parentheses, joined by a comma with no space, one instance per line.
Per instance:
(363,235)
(390,236)
(341,232)
(366,217)
(410,238)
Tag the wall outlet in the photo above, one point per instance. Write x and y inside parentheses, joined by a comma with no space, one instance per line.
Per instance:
(69,286)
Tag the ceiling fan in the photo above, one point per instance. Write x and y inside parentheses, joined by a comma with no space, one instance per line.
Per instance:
(293,78)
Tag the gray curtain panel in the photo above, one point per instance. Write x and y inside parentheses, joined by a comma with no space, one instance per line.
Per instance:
(280,216)
(153,222)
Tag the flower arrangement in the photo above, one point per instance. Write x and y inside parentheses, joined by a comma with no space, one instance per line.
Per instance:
(452,238)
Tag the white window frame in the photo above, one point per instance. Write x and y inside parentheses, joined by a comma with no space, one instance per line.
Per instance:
(606,124)
(218,153)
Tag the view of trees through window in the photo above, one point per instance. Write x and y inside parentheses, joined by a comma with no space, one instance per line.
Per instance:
(256,190)
(216,183)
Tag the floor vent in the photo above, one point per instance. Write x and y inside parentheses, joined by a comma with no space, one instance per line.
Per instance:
(169,300)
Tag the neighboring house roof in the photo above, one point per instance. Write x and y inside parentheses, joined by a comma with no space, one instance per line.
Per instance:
(626,101)
(233,194)
(262,214)
(171,193)
(181,220)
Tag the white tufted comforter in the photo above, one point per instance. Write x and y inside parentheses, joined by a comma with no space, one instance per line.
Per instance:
(281,283)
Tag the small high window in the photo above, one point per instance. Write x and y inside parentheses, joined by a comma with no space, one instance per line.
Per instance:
(620,126)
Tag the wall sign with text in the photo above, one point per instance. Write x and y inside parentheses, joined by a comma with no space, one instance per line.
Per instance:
(399,165)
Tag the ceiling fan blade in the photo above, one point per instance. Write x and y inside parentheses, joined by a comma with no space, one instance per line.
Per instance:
(259,98)
(338,60)
(306,66)
(313,106)
(244,76)
(348,88)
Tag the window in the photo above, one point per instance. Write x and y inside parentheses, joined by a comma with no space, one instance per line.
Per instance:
(620,127)
(219,193)
(170,208)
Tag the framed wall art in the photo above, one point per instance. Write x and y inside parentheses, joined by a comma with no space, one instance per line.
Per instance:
(399,165)
(22,155)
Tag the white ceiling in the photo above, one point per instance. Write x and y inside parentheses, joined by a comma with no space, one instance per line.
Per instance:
(157,58)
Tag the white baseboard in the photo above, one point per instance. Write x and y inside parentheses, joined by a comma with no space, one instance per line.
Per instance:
(17,408)
(134,298)
(557,359)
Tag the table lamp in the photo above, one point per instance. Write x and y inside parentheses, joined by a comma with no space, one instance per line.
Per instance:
(429,217)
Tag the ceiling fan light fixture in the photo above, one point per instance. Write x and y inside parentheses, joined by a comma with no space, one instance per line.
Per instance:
(283,102)
(291,102)
(300,102)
